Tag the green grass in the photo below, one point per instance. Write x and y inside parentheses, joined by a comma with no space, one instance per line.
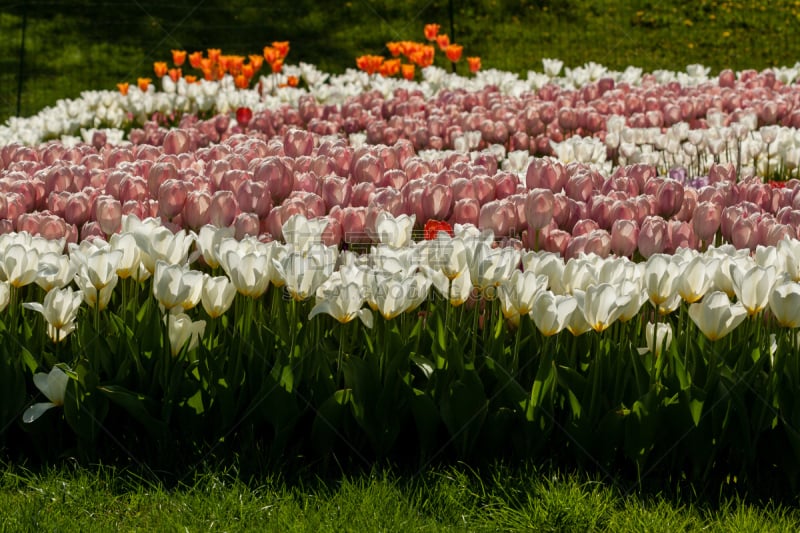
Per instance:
(77,45)
(440,499)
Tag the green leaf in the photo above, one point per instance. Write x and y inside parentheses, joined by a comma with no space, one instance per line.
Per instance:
(427,419)
(138,406)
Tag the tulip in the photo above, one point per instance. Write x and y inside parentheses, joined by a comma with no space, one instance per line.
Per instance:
(652,236)
(753,286)
(217,296)
(658,338)
(696,278)
(394,231)
(249,272)
(181,329)
(55,271)
(60,308)
(131,260)
(539,206)
(177,287)
(19,265)
(343,302)
(784,302)
(53,385)
(5,295)
(551,312)
(716,316)
(660,278)
(624,237)
(303,273)
(706,220)
(517,293)
(489,266)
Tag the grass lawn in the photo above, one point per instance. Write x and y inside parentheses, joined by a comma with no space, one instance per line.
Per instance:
(452,498)
(76,45)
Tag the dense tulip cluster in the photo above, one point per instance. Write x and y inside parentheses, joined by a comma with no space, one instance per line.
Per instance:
(249,234)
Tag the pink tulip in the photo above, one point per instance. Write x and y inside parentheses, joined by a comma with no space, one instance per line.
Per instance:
(437,202)
(246,224)
(669,198)
(298,142)
(29,222)
(706,221)
(547,174)
(353,222)
(598,242)
(624,237)
(576,246)
(777,232)
(52,227)
(277,174)
(196,209)
(539,207)
(721,173)
(133,188)
(171,198)
(108,214)
(580,187)
(362,194)
(77,209)
(505,184)
(652,236)
(335,191)
(158,174)
(744,233)
(584,226)
(223,209)
(466,211)
(177,141)
(557,241)
(500,217)
(679,235)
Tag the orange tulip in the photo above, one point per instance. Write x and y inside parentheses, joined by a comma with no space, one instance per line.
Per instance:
(271,54)
(143,83)
(195,58)
(257,61)
(205,64)
(292,81)
(423,57)
(248,70)
(123,88)
(407,71)
(178,57)
(395,48)
(208,75)
(282,47)
(214,53)
(241,81)
(175,74)
(276,65)
(474,64)
(389,68)
(160,68)
(431,30)
(369,63)
(235,64)
(453,52)
(443,41)
(190,79)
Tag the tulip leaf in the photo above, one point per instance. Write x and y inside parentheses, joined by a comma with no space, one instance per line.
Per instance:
(328,424)
(695,404)
(28,359)
(426,418)
(463,409)
(136,405)
(575,386)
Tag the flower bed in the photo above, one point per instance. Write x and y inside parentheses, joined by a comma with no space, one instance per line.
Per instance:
(621,249)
